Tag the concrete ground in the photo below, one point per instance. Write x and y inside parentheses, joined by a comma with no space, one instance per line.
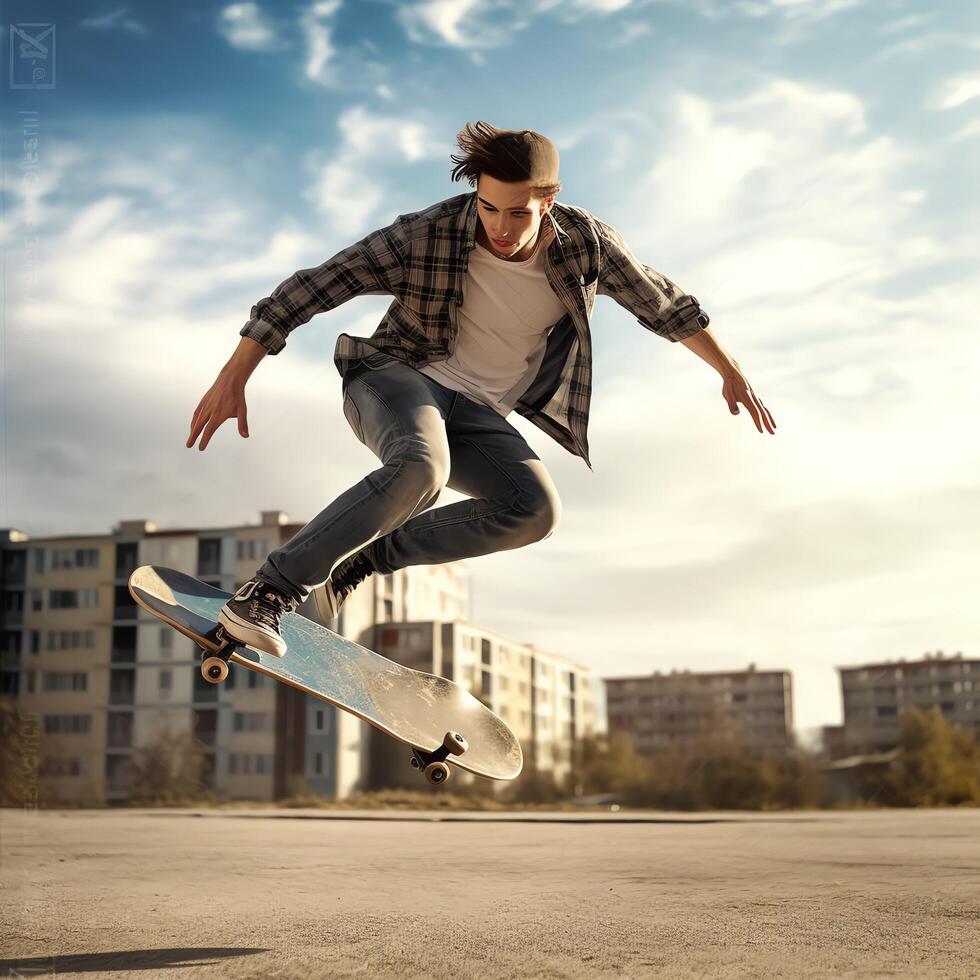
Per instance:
(283,893)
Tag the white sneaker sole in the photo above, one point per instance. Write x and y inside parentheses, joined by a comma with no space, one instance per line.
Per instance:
(326,602)
(246,632)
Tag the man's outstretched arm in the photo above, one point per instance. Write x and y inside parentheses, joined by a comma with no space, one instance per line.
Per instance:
(665,309)
(735,388)
(225,399)
(373,265)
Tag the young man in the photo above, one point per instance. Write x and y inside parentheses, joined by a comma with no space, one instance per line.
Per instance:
(493,291)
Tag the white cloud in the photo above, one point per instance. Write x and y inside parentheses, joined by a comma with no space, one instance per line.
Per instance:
(628,33)
(460,23)
(136,312)
(244,26)
(921,43)
(968,131)
(114,20)
(350,187)
(317,29)
(958,90)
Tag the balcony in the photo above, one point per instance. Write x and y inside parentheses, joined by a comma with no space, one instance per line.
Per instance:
(122,686)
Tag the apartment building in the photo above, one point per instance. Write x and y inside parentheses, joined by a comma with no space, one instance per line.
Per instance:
(105,679)
(877,695)
(662,711)
(545,699)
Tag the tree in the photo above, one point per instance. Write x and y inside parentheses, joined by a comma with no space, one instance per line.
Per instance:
(609,763)
(19,758)
(168,770)
(939,763)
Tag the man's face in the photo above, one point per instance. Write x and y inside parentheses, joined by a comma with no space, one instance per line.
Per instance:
(509,216)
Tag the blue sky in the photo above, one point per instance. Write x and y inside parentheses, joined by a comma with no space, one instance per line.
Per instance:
(806,169)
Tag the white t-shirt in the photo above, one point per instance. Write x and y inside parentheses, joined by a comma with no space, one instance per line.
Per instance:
(508,309)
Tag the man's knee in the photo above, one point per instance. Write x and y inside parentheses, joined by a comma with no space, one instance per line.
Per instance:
(543,510)
(423,476)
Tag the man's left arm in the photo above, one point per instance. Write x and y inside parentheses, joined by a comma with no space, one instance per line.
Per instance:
(664,308)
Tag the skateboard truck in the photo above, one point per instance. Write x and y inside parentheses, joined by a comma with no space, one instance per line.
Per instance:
(214,663)
(433,764)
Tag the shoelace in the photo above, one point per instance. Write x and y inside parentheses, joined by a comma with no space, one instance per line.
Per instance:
(350,577)
(267,608)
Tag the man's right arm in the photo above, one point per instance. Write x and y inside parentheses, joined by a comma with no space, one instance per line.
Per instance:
(225,399)
(375,265)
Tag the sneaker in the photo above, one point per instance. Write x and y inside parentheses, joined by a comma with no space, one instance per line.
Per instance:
(345,578)
(253,615)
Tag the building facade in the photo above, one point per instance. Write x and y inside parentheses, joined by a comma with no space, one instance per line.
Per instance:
(104,679)
(877,695)
(663,711)
(545,699)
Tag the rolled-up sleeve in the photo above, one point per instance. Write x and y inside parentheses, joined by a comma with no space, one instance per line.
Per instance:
(658,304)
(375,265)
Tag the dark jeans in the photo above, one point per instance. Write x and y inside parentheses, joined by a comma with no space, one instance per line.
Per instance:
(427,437)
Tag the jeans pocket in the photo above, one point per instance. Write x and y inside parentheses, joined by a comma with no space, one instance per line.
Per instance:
(353,416)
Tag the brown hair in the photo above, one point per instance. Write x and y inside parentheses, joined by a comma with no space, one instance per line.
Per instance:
(486,150)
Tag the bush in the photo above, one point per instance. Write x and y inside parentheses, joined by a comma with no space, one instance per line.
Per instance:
(19,758)
(939,764)
(168,771)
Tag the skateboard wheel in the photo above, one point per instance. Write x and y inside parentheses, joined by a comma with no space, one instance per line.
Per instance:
(437,773)
(455,742)
(214,670)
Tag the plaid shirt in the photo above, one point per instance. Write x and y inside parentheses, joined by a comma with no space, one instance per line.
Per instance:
(420,259)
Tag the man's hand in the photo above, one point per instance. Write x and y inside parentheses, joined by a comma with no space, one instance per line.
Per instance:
(224,400)
(226,397)
(737,389)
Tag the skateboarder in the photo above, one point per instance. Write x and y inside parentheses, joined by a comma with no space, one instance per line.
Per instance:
(492,294)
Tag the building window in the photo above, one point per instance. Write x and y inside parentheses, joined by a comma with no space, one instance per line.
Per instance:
(119,733)
(67,724)
(252,550)
(166,681)
(209,556)
(318,763)
(74,558)
(64,681)
(319,722)
(485,650)
(122,686)
(251,721)
(71,639)
(485,686)
(73,598)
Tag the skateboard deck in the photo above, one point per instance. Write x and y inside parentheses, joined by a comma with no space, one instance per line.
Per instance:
(437,718)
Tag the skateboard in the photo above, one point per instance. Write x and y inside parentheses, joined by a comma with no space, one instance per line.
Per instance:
(438,719)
